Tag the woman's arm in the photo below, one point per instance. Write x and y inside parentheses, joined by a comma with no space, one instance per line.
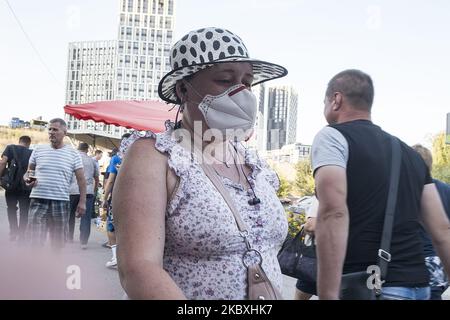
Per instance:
(139,203)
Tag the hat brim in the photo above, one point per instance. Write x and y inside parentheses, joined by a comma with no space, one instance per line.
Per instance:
(262,71)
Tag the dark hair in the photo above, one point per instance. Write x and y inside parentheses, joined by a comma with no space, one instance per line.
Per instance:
(355,85)
(113,152)
(60,121)
(98,152)
(83,146)
(25,139)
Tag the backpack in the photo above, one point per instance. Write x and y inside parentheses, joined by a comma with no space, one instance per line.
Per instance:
(12,179)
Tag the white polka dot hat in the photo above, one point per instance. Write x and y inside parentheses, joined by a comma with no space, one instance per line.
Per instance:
(205,47)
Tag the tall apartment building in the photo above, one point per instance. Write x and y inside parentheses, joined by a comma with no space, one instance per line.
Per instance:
(282,104)
(127,68)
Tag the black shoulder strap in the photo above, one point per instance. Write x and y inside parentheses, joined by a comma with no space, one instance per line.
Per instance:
(14,151)
(384,257)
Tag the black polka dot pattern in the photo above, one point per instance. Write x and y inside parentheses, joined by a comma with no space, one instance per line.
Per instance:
(193,52)
(204,47)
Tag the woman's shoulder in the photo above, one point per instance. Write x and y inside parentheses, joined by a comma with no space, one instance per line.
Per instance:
(162,141)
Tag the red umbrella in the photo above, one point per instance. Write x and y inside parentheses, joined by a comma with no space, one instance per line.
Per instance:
(138,115)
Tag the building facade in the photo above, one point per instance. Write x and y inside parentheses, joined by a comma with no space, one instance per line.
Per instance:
(282,105)
(127,68)
(290,153)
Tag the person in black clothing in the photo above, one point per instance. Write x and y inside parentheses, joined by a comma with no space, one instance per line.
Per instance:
(20,195)
(351,160)
(438,278)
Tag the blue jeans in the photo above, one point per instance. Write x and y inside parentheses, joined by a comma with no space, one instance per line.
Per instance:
(85,221)
(406,293)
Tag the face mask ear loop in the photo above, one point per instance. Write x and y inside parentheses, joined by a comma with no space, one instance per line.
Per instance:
(180,109)
(192,87)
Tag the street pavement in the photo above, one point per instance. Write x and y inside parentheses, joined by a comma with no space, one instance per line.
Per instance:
(41,275)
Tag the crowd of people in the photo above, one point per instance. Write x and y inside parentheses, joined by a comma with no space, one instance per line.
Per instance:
(51,186)
(195,211)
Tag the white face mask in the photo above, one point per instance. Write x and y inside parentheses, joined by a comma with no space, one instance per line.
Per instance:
(232,112)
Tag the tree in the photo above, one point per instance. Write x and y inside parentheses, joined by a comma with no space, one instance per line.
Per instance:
(285,188)
(441,158)
(304,180)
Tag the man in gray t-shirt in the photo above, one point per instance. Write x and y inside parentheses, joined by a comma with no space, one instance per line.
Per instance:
(91,175)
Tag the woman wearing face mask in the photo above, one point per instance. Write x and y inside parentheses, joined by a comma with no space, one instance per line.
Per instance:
(177,237)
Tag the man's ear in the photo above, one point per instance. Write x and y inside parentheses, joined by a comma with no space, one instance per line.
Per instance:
(337,101)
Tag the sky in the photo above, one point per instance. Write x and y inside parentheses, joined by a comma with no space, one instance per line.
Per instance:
(404,45)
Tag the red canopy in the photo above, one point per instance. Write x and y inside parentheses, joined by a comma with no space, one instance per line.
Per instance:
(138,115)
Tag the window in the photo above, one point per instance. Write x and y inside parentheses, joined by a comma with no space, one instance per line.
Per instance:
(168,23)
(152,21)
(159,36)
(130,5)
(154,7)
(145,6)
(160,6)
(170,9)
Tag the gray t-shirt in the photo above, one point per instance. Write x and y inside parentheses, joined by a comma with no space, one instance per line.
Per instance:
(90,172)
(330,148)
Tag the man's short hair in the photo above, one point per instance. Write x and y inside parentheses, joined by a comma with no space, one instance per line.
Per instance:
(83,146)
(355,85)
(425,154)
(25,139)
(61,122)
(98,151)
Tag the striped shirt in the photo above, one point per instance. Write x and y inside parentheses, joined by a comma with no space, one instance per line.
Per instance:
(54,170)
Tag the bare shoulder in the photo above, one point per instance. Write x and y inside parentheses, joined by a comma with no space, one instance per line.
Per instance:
(143,150)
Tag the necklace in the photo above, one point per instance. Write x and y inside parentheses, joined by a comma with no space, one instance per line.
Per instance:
(226,162)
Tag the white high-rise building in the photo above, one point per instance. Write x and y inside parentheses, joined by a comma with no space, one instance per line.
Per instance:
(124,69)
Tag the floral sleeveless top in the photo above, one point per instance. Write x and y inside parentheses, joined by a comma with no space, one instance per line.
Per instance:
(203,247)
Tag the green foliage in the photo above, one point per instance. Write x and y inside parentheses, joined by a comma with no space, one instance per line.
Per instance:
(304,181)
(441,158)
(285,187)
(295,221)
